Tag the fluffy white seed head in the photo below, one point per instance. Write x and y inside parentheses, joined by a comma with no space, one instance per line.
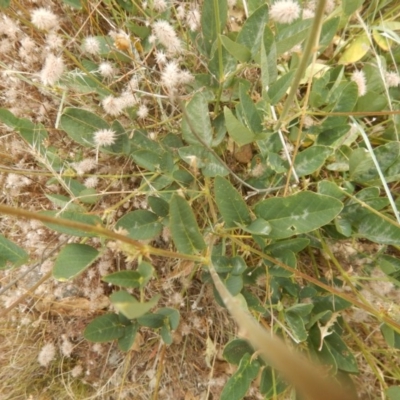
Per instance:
(127,99)
(112,105)
(91,45)
(44,19)
(143,111)
(84,166)
(166,35)
(193,19)
(160,5)
(359,78)
(284,11)
(47,354)
(9,28)
(104,137)
(170,75)
(106,69)
(392,79)
(53,41)
(52,70)
(91,182)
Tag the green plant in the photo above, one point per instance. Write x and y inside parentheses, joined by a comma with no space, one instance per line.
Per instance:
(263,232)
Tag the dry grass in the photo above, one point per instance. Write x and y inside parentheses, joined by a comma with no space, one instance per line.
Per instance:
(192,368)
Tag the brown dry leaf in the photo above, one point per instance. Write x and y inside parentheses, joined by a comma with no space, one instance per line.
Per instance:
(236,17)
(177,337)
(72,306)
(191,396)
(138,342)
(243,154)
(184,268)
(211,350)
(324,329)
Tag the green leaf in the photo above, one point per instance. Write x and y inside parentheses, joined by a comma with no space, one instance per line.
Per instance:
(347,99)
(235,350)
(147,159)
(222,65)
(378,230)
(222,264)
(258,227)
(129,306)
(370,102)
(390,265)
(199,157)
(5,3)
(269,71)
(237,50)
(329,302)
(300,213)
(197,117)
(171,317)
(270,383)
(362,167)
(214,15)
(183,225)
(291,35)
(34,134)
(166,335)
(158,205)
(294,245)
(131,279)
(286,257)
(296,326)
(140,141)
(170,323)
(343,226)
(333,136)
(88,196)
(80,125)
(153,321)
(183,177)
(87,219)
(104,328)
(344,358)
(127,339)
(73,3)
(73,185)
(280,87)
(238,384)
(393,393)
(265,74)
(72,260)
(324,353)
(10,252)
(234,284)
(251,33)
(140,224)
(350,6)
(8,118)
(128,279)
(84,83)
(391,336)
(311,159)
(237,131)
(328,31)
(249,111)
(146,271)
(230,204)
